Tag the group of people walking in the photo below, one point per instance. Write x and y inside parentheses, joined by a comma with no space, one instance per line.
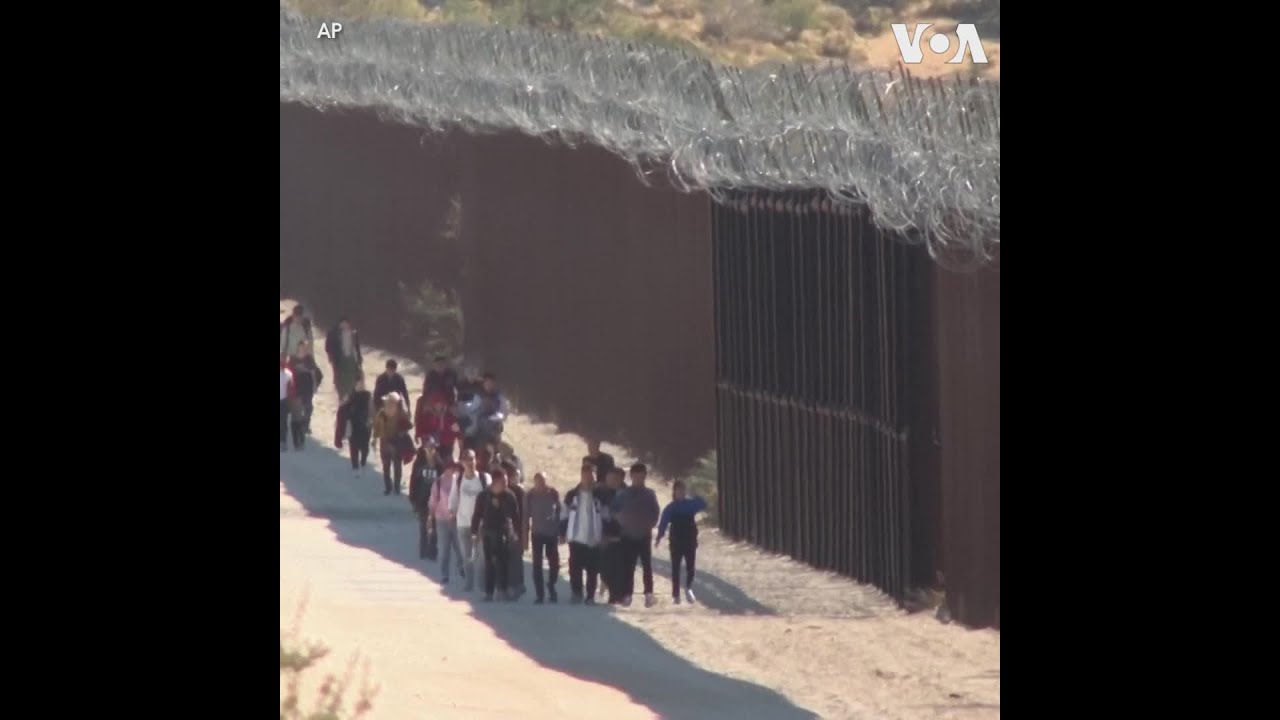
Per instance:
(476,509)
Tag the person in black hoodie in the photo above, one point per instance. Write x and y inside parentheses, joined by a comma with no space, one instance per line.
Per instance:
(515,564)
(602,461)
(391,382)
(354,412)
(307,377)
(610,558)
(426,468)
(495,520)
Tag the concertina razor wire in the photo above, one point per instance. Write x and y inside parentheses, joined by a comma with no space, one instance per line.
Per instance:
(922,155)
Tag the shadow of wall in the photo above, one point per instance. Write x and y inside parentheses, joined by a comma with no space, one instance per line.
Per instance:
(587,291)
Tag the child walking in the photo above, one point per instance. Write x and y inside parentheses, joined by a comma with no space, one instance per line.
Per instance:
(680,514)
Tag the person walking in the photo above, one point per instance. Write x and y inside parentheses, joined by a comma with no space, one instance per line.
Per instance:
(515,564)
(306,377)
(543,524)
(462,506)
(391,430)
(286,394)
(602,460)
(342,345)
(295,329)
(446,525)
(494,525)
(391,382)
(434,423)
(581,526)
(609,554)
(680,514)
(354,423)
(441,380)
(422,478)
(637,511)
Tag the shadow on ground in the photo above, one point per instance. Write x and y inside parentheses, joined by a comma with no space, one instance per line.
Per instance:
(607,650)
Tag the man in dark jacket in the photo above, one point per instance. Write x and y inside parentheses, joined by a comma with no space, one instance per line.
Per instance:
(515,563)
(342,345)
(602,461)
(441,381)
(681,516)
(389,382)
(636,509)
(354,412)
(306,377)
(494,523)
(610,557)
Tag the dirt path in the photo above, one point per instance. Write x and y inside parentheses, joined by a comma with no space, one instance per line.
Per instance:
(771,638)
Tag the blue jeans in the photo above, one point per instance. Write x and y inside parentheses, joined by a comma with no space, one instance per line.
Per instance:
(447,536)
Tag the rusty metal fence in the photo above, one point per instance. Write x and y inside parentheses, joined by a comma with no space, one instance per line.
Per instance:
(850,384)
(813,335)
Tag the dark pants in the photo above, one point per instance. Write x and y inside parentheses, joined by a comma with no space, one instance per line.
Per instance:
(284,424)
(424,520)
(551,547)
(688,555)
(609,560)
(299,424)
(582,558)
(307,407)
(446,452)
(515,567)
(359,447)
(632,550)
(496,556)
(391,464)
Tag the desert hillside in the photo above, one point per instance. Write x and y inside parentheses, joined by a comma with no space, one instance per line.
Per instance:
(738,32)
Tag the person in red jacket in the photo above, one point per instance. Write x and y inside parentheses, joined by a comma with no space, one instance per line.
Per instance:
(434,423)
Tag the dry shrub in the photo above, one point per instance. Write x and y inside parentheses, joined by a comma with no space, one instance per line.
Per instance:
(360,9)
(728,20)
(794,16)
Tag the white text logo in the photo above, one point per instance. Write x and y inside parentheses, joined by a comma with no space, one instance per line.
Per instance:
(939,43)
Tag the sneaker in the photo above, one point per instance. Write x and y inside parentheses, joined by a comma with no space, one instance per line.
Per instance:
(688,595)
(537,601)
(626,601)
(575,600)
(551,595)
(386,492)
(589,601)
(676,598)
(650,600)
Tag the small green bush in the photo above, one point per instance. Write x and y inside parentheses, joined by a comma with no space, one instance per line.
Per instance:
(703,480)
(795,16)
(298,657)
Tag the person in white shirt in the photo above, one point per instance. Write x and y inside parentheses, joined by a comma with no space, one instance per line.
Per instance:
(582,520)
(286,389)
(462,506)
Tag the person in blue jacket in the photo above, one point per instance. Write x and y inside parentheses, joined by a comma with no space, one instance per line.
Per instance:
(679,514)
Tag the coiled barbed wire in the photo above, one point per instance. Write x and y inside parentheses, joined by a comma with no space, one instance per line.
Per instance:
(923,155)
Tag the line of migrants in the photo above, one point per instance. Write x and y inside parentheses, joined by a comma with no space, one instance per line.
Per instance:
(466,484)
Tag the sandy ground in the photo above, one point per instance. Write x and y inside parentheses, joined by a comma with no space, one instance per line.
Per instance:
(770,638)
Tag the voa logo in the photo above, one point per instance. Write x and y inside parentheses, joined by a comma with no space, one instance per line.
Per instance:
(966,33)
